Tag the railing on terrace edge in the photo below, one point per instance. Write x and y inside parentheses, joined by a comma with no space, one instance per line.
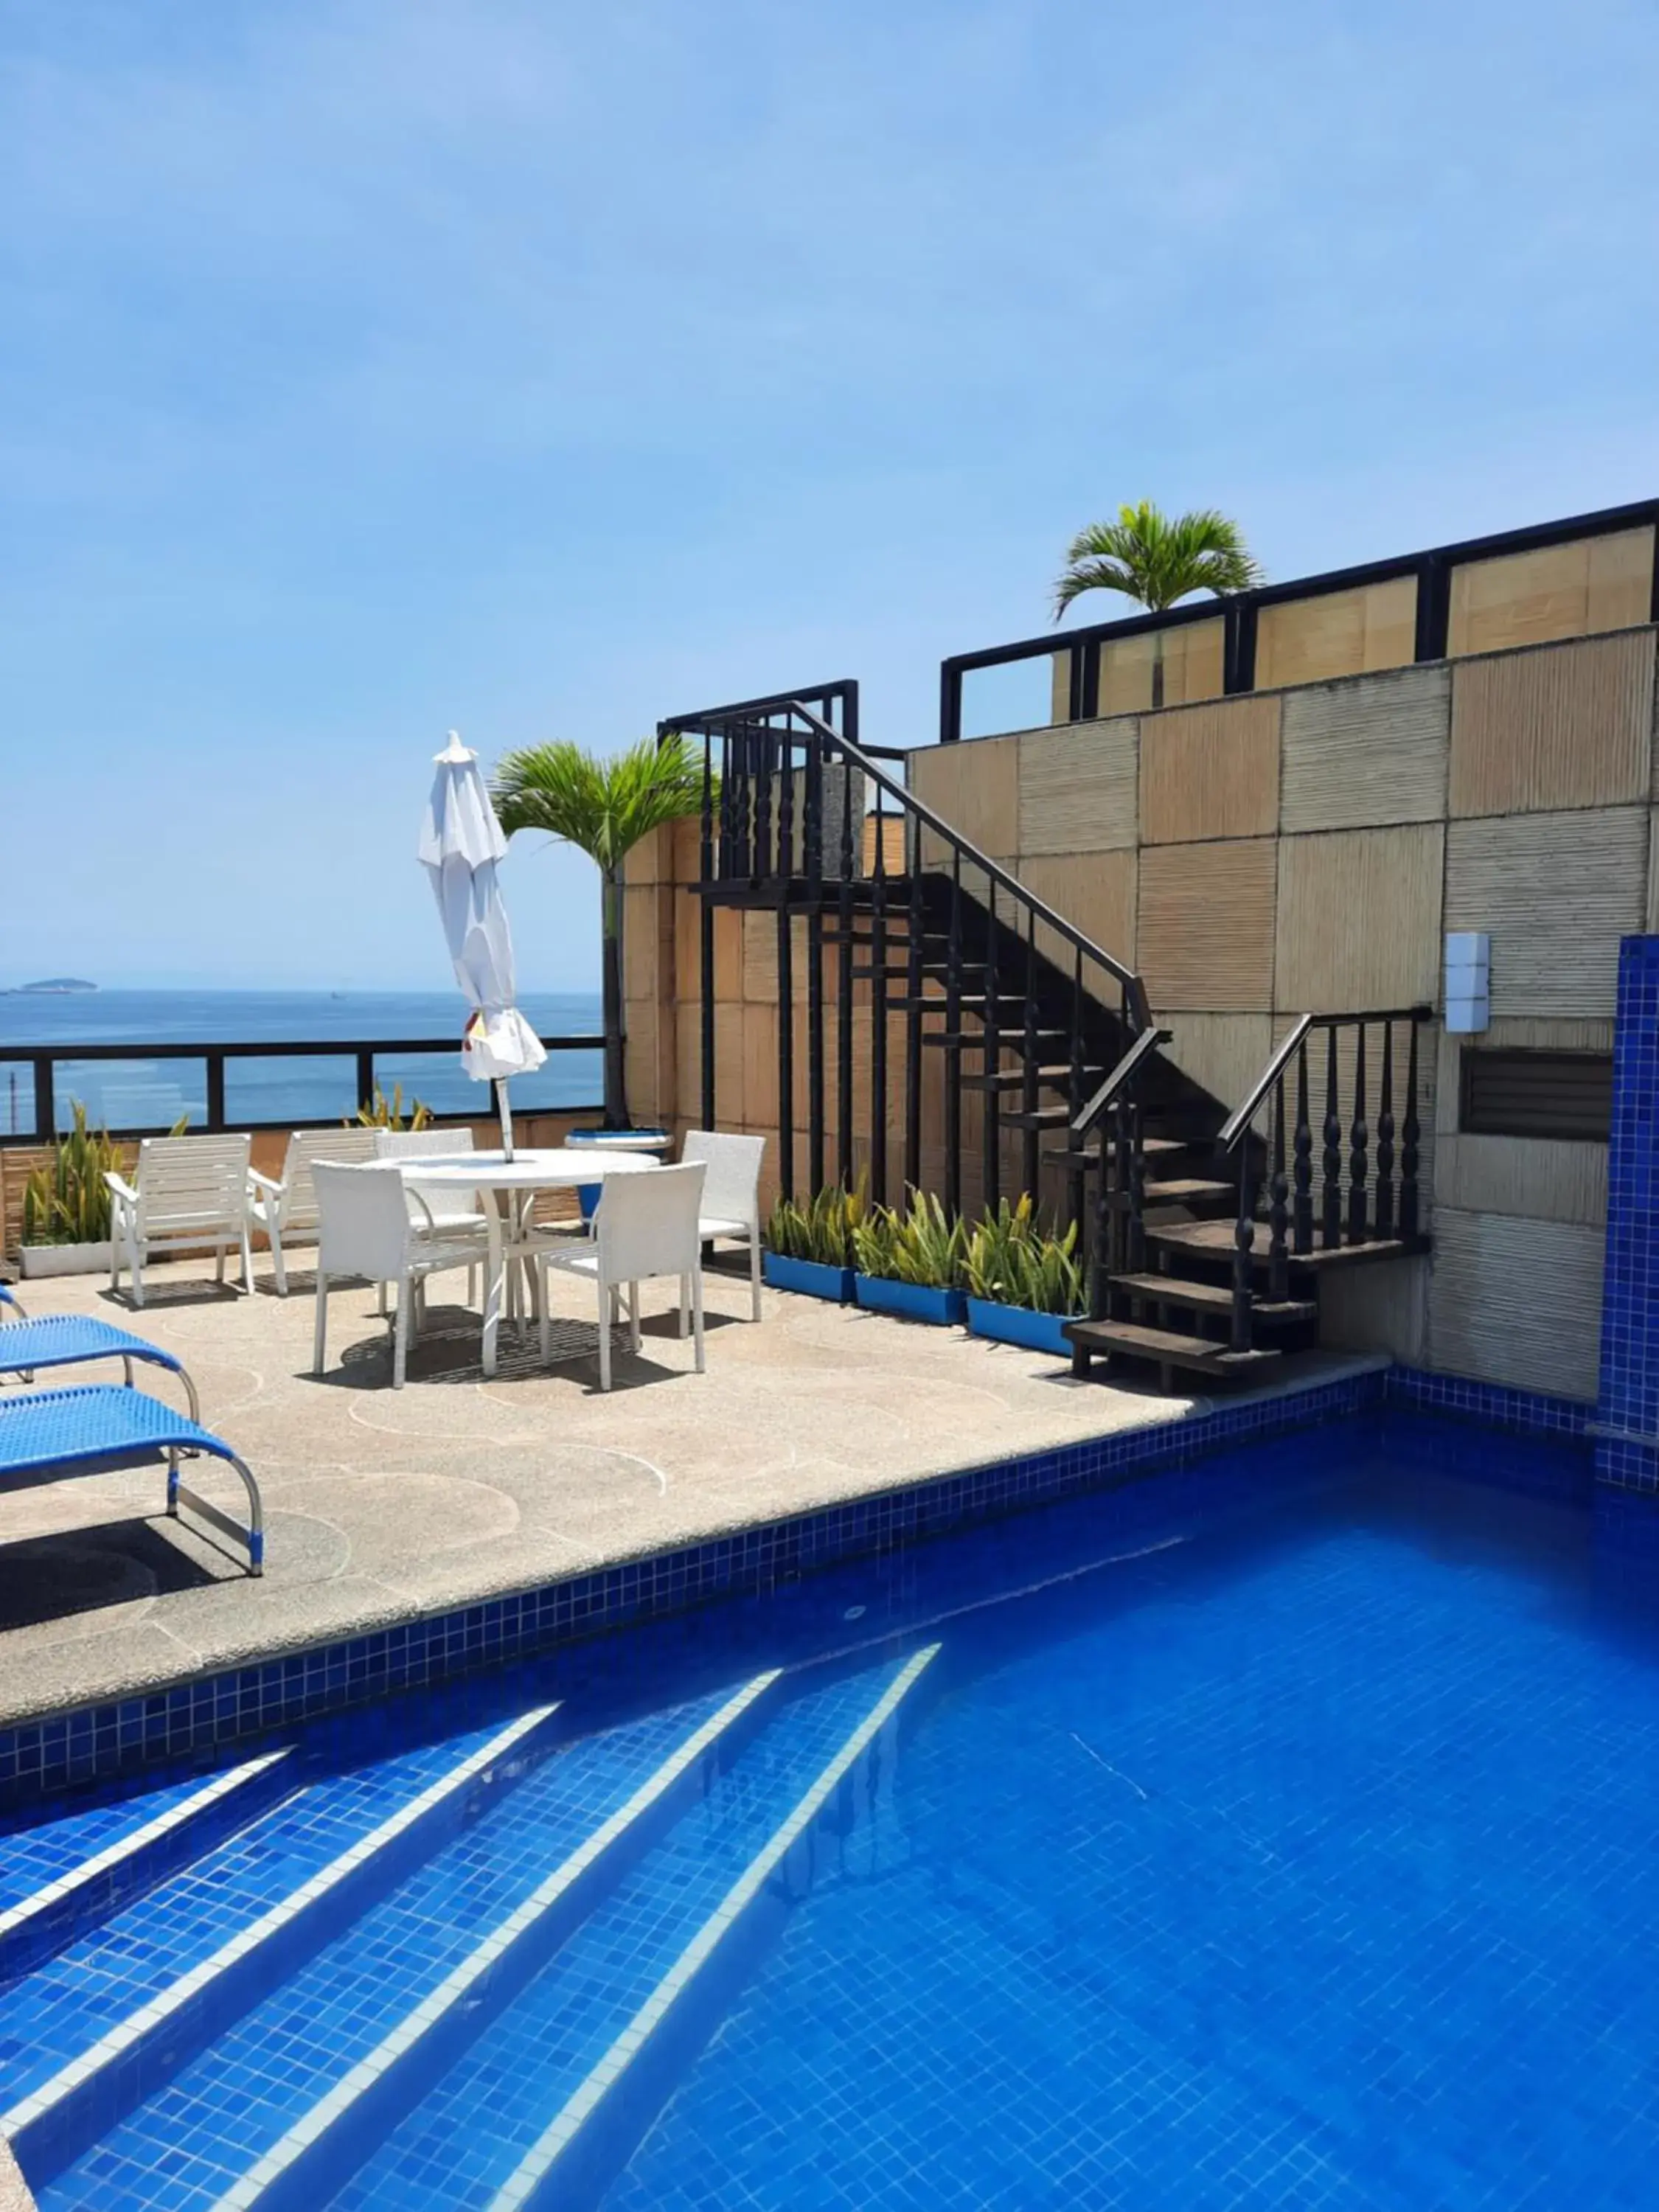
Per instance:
(44,1061)
(1239,611)
(1359,1201)
(787,790)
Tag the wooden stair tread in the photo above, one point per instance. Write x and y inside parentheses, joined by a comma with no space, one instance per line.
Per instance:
(976,1039)
(1214,1239)
(1210,1298)
(1011,1079)
(1169,1348)
(1180,1187)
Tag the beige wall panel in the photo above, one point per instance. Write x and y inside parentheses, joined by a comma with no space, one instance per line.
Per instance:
(1368,751)
(1205,933)
(688,947)
(1337,634)
(760,1066)
(1359,920)
(1126,674)
(685,864)
(1556,892)
(1192,657)
(688,1070)
(1224,1053)
(730,1105)
(1517,1302)
(1541,1178)
(1060,688)
(1569,725)
(648,951)
(1559,591)
(974,785)
(1507,1033)
(1620,590)
(760,959)
(1383,1308)
(1076,788)
(1095,891)
(1210,772)
(728,953)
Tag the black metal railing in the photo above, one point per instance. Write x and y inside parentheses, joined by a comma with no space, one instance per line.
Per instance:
(1239,612)
(1362,1193)
(799,816)
(1115,1111)
(41,1064)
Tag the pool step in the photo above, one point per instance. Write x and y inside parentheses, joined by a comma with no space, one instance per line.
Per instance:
(337,2053)
(150,1837)
(160,1984)
(573,2071)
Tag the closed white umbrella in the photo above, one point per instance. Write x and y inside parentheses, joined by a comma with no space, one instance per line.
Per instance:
(461,841)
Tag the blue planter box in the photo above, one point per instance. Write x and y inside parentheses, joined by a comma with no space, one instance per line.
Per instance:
(910,1301)
(614,1140)
(1032,1332)
(810,1277)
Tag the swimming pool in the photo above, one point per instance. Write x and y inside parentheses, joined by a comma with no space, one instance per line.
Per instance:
(1274,1833)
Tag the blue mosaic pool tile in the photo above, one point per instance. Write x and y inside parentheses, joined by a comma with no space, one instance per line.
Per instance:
(1497,1404)
(40,1758)
(1628,1410)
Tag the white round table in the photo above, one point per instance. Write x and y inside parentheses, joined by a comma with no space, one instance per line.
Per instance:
(508,1186)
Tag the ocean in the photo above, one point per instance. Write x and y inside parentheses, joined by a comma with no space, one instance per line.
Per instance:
(145,1093)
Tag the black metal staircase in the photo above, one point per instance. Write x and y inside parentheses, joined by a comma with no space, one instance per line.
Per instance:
(1012,1019)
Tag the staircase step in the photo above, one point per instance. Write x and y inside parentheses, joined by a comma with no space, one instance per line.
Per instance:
(164,1977)
(1053,1076)
(371,2022)
(1188,1190)
(1214,1240)
(1152,1148)
(1210,1298)
(1166,1347)
(1008,1040)
(968,1002)
(1040,1117)
(551,2099)
(149,1835)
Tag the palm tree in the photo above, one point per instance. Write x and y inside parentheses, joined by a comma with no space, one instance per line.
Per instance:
(1156,561)
(604,807)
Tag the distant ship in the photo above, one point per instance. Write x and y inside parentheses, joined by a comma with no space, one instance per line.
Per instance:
(50,986)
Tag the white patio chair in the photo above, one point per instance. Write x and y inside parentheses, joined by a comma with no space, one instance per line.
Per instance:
(287,1207)
(731,1193)
(646,1225)
(190,1195)
(364,1232)
(434,1208)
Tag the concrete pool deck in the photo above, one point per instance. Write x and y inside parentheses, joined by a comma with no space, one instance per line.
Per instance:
(384,1506)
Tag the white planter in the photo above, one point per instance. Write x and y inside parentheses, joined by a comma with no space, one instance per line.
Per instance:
(62,1260)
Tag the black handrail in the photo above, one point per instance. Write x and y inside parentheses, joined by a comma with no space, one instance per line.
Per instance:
(44,1059)
(1021,893)
(1141,1050)
(1241,1117)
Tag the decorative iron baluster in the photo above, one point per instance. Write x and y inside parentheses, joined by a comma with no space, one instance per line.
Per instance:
(1360,1139)
(1301,1232)
(1134,1215)
(1331,1159)
(786,807)
(1029,1163)
(992,1059)
(1243,1241)
(1123,1184)
(815,1131)
(844,999)
(760,863)
(913,1030)
(1100,1269)
(1385,1138)
(1279,1211)
(706,918)
(878,1013)
(1074,1179)
(786,1050)
(953,1045)
(1410,1133)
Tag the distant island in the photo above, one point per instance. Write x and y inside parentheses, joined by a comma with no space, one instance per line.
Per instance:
(50,984)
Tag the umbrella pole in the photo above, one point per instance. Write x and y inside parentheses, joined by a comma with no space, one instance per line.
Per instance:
(505,1112)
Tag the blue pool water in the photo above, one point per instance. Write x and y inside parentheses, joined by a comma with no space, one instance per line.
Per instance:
(1280,1836)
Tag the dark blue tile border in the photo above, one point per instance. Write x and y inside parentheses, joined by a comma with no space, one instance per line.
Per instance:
(38,1757)
(1528,1412)
(1627,1456)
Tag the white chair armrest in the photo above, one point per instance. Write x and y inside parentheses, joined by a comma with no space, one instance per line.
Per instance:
(416,1198)
(263,1182)
(119,1187)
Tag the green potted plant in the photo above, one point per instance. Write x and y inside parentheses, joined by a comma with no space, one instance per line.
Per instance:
(66,1203)
(810,1243)
(911,1264)
(604,807)
(1022,1286)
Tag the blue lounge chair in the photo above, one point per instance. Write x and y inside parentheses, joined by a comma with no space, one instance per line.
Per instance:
(101,1426)
(9,1297)
(70,1339)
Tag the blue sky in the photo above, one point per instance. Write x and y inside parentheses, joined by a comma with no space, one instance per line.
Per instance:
(373,367)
